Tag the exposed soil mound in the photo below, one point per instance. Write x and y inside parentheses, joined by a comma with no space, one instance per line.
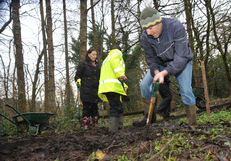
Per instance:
(80,145)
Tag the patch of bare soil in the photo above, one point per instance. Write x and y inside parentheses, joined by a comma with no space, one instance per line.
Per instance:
(78,146)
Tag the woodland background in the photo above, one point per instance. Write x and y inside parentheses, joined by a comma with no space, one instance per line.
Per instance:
(37,71)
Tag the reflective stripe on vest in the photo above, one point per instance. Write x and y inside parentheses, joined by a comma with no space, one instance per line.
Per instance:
(108,58)
(110,81)
(117,52)
(118,69)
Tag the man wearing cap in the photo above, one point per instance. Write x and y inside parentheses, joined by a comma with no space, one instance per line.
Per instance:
(167,52)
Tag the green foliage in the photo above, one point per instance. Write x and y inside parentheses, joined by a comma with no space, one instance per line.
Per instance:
(134,74)
(227,144)
(70,120)
(12,131)
(128,120)
(216,77)
(93,156)
(169,145)
(210,156)
(57,159)
(215,118)
(157,148)
(99,34)
(75,57)
(123,158)
(7,128)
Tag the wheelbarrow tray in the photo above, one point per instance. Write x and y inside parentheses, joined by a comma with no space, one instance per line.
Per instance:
(33,117)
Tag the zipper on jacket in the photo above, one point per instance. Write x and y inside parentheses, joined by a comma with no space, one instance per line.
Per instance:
(158,40)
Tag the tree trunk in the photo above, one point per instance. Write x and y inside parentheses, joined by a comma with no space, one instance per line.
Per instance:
(101,35)
(208,36)
(14,91)
(34,83)
(6,75)
(51,66)
(83,28)
(45,57)
(113,38)
(188,9)
(19,57)
(93,24)
(138,14)
(197,79)
(95,34)
(68,89)
(156,4)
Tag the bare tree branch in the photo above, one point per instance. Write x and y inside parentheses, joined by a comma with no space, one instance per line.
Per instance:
(8,22)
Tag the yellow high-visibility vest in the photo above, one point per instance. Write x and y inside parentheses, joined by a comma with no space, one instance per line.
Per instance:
(112,68)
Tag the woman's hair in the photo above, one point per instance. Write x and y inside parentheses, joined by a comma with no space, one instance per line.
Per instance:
(88,52)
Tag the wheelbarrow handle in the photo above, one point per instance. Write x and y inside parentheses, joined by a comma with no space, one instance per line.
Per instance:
(13,109)
(8,119)
(18,113)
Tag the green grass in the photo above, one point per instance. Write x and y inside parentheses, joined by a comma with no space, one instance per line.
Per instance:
(169,146)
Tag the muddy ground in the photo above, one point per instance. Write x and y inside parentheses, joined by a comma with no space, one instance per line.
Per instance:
(78,146)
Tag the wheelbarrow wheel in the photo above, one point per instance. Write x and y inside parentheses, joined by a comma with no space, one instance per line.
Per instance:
(44,127)
(23,127)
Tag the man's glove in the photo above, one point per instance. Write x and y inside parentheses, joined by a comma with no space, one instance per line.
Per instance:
(78,83)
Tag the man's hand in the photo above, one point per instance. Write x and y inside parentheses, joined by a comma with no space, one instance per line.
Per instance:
(160,76)
(123,77)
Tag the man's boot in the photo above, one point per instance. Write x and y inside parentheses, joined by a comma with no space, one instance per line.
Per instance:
(95,121)
(121,121)
(114,124)
(191,115)
(86,121)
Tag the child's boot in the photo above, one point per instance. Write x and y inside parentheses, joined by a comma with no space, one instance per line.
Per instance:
(95,121)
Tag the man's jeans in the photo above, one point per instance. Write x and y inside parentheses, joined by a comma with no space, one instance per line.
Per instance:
(146,85)
(184,80)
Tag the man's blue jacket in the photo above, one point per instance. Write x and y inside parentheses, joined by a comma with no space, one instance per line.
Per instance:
(171,49)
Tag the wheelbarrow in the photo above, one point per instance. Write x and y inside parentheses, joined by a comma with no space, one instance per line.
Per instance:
(31,119)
